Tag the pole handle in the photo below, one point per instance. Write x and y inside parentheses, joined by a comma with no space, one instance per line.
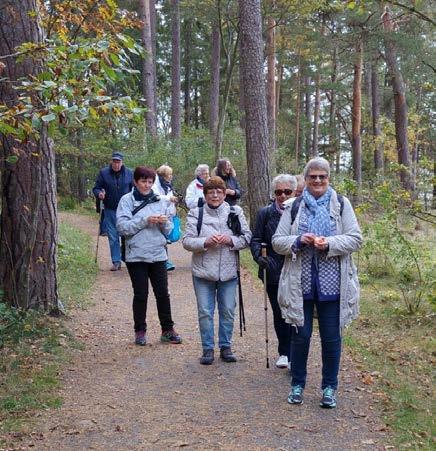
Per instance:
(263,249)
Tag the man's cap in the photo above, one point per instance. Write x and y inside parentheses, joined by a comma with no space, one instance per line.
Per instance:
(117,156)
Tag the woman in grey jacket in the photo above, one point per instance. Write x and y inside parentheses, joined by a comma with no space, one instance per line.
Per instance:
(142,219)
(318,272)
(214,249)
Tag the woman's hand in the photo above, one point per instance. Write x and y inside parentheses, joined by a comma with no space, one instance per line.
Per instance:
(218,240)
(320,243)
(157,219)
(174,199)
(308,238)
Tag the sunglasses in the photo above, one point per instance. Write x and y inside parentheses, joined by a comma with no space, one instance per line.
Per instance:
(279,192)
(321,177)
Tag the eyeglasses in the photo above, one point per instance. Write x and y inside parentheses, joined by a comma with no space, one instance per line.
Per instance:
(279,192)
(215,192)
(322,177)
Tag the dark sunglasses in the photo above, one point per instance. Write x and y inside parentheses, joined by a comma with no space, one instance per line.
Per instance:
(279,192)
(321,177)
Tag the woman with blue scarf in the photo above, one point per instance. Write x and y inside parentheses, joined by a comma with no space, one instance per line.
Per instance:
(317,239)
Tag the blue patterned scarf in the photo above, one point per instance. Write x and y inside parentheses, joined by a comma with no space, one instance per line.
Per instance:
(319,209)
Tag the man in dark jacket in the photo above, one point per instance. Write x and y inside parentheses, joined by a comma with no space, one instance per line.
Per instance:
(112,183)
(267,220)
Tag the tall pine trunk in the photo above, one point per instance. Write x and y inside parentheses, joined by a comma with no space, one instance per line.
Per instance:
(175,70)
(215,80)
(307,114)
(316,115)
(29,232)
(187,64)
(148,72)
(376,130)
(356,115)
(400,110)
(271,87)
(256,129)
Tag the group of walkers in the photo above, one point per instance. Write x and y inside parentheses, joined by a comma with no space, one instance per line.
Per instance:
(302,241)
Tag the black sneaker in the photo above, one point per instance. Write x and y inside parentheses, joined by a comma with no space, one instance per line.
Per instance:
(171,336)
(207,357)
(227,355)
(296,395)
(328,400)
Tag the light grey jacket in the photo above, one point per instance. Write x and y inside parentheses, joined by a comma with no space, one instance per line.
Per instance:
(144,242)
(216,263)
(348,239)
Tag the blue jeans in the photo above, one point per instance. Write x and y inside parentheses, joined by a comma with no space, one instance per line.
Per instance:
(109,225)
(224,293)
(328,320)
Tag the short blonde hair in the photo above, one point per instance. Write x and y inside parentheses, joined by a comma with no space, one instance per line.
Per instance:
(164,170)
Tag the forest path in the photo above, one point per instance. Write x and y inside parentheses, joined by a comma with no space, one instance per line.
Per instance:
(118,396)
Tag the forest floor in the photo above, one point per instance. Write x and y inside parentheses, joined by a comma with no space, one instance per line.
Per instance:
(118,396)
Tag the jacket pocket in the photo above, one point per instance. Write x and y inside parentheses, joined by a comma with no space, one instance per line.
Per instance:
(353,292)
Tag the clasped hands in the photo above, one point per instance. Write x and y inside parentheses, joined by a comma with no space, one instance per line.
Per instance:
(319,242)
(157,219)
(218,240)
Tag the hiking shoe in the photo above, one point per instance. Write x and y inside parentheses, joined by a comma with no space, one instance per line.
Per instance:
(282,361)
(296,395)
(170,266)
(140,339)
(207,357)
(116,266)
(328,400)
(227,355)
(171,336)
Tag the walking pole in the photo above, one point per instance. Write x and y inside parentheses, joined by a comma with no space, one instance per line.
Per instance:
(99,230)
(241,302)
(265,304)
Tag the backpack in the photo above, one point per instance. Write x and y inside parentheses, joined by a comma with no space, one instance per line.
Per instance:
(154,198)
(232,221)
(297,202)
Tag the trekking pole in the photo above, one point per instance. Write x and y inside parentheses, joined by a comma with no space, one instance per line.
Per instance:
(99,230)
(241,302)
(265,304)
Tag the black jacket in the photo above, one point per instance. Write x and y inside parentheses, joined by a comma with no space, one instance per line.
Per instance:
(267,220)
(115,187)
(232,183)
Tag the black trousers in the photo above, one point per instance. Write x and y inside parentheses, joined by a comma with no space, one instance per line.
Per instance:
(140,273)
(282,328)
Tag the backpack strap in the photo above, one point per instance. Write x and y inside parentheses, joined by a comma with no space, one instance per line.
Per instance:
(200,219)
(152,199)
(296,205)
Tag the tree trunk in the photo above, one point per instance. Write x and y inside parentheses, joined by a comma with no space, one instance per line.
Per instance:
(241,103)
(308,114)
(356,115)
(271,87)
(29,232)
(148,83)
(215,80)
(278,88)
(316,115)
(175,70)
(153,26)
(187,60)
(256,130)
(333,140)
(231,60)
(399,103)
(376,131)
(297,113)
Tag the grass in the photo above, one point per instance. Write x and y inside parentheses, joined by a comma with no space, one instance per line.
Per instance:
(34,346)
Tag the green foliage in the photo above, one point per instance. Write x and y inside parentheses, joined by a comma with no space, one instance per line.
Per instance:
(391,248)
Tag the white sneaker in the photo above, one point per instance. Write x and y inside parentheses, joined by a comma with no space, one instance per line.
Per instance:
(282,361)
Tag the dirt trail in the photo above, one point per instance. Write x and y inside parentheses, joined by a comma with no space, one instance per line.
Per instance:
(118,396)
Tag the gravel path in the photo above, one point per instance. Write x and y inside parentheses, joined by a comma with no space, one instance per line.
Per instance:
(118,396)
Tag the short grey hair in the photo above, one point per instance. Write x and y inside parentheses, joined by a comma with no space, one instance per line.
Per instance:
(200,169)
(284,178)
(317,163)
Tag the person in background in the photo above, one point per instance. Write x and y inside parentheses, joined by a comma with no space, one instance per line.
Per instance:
(318,240)
(163,187)
(112,183)
(146,256)
(215,262)
(224,169)
(300,185)
(267,220)
(194,193)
